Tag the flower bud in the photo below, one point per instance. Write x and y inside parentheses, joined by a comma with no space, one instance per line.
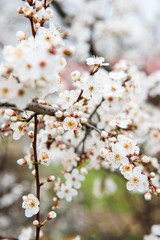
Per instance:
(69,51)
(104,134)
(145,159)
(58,114)
(34,173)
(5,125)
(51,215)
(14,119)
(66,114)
(38,5)
(158,190)
(21,35)
(35,222)
(83,120)
(55,199)
(7,134)
(77,159)
(60,130)
(152,175)
(51,179)
(19,10)
(9,112)
(31,134)
(21,162)
(147,196)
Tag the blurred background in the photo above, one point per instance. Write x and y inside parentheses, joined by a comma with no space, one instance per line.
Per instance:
(114,29)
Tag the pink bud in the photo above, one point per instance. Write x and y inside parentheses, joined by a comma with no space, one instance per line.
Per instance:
(51,179)
(51,215)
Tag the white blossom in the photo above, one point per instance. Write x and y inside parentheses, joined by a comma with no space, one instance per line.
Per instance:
(74,178)
(31,205)
(66,191)
(137,181)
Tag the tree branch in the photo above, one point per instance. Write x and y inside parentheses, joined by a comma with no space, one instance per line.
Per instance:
(44,110)
(34,107)
(37,173)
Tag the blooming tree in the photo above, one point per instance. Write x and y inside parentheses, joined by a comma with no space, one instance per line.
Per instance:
(98,119)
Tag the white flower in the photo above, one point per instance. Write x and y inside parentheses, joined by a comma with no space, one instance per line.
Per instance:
(28,10)
(7,89)
(69,123)
(113,89)
(126,145)
(96,61)
(126,170)
(116,158)
(92,89)
(118,75)
(69,161)
(137,181)
(44,158)
(31,205)
(67,98)
(19,130)
(66,191)
(48,14)
(74,178)
(50,35)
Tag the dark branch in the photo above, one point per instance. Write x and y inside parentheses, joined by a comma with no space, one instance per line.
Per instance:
(37,172)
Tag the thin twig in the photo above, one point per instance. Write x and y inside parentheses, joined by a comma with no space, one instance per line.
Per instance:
(95,110)
(92,127)
(37,172)
(32,27)
(83,140)
(45,4)
(80,95)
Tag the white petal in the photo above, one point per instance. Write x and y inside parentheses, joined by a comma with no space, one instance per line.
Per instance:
(74,192)
(69,198)
(130,186)
(35,210)
(17,135)
(77,185)
(140,187)
(60,195)
(137,171)
(28,212)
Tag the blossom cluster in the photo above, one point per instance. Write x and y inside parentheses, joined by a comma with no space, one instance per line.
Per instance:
(97,119)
